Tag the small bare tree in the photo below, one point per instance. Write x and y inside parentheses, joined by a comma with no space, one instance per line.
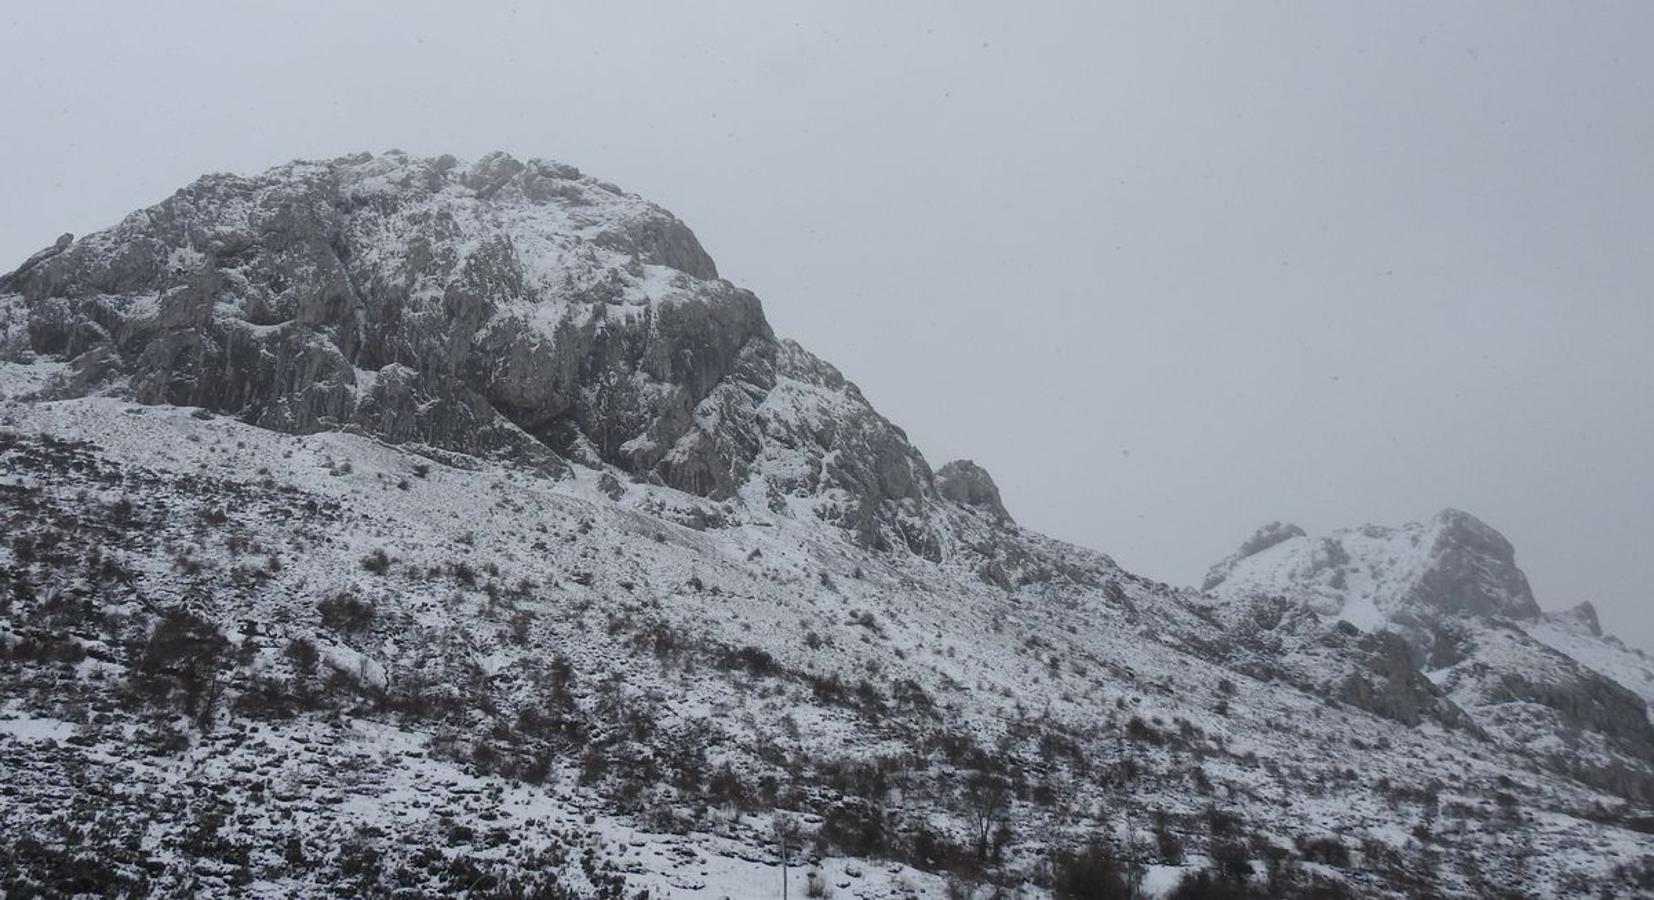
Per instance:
(787,832)
(987,797)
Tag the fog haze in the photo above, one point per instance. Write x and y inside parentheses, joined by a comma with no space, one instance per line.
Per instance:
(1168,272)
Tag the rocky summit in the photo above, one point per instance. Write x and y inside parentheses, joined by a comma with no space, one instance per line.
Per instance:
(500,307)
(392,526)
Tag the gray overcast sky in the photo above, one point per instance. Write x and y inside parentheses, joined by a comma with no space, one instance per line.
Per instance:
(1169,270)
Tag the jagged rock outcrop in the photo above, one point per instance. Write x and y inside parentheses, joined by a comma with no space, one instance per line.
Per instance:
(963,481)
(1275,638)
(1392,686)
(502,306)
(1586,700)
(61,244)
(1581,617)
(1471,570)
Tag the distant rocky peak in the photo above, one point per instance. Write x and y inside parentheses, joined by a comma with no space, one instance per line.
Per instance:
(1457,527)
(1270,535)
(1453,564)
(1267,536)
(1471,569)
(1579,618)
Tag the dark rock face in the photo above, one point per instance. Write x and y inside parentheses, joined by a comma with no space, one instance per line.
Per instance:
(1392,686)
(1268,536)
(1474,572)
(61,244)
(1582,617)
(1585,700)
(963,481)
(1277,638)
(501,307)
(817,435)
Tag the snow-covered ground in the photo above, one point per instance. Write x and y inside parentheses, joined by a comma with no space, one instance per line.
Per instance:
(765,642)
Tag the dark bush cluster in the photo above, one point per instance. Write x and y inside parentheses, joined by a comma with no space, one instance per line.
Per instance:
(1095,872)
(184,657)
(346,612)
(378,562)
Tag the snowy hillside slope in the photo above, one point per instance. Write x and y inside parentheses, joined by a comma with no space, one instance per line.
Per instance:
(600,656)
(267,631)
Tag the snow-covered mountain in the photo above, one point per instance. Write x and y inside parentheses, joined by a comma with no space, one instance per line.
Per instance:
(500,307)
(1452,565)
(400,526)
(1451,590)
